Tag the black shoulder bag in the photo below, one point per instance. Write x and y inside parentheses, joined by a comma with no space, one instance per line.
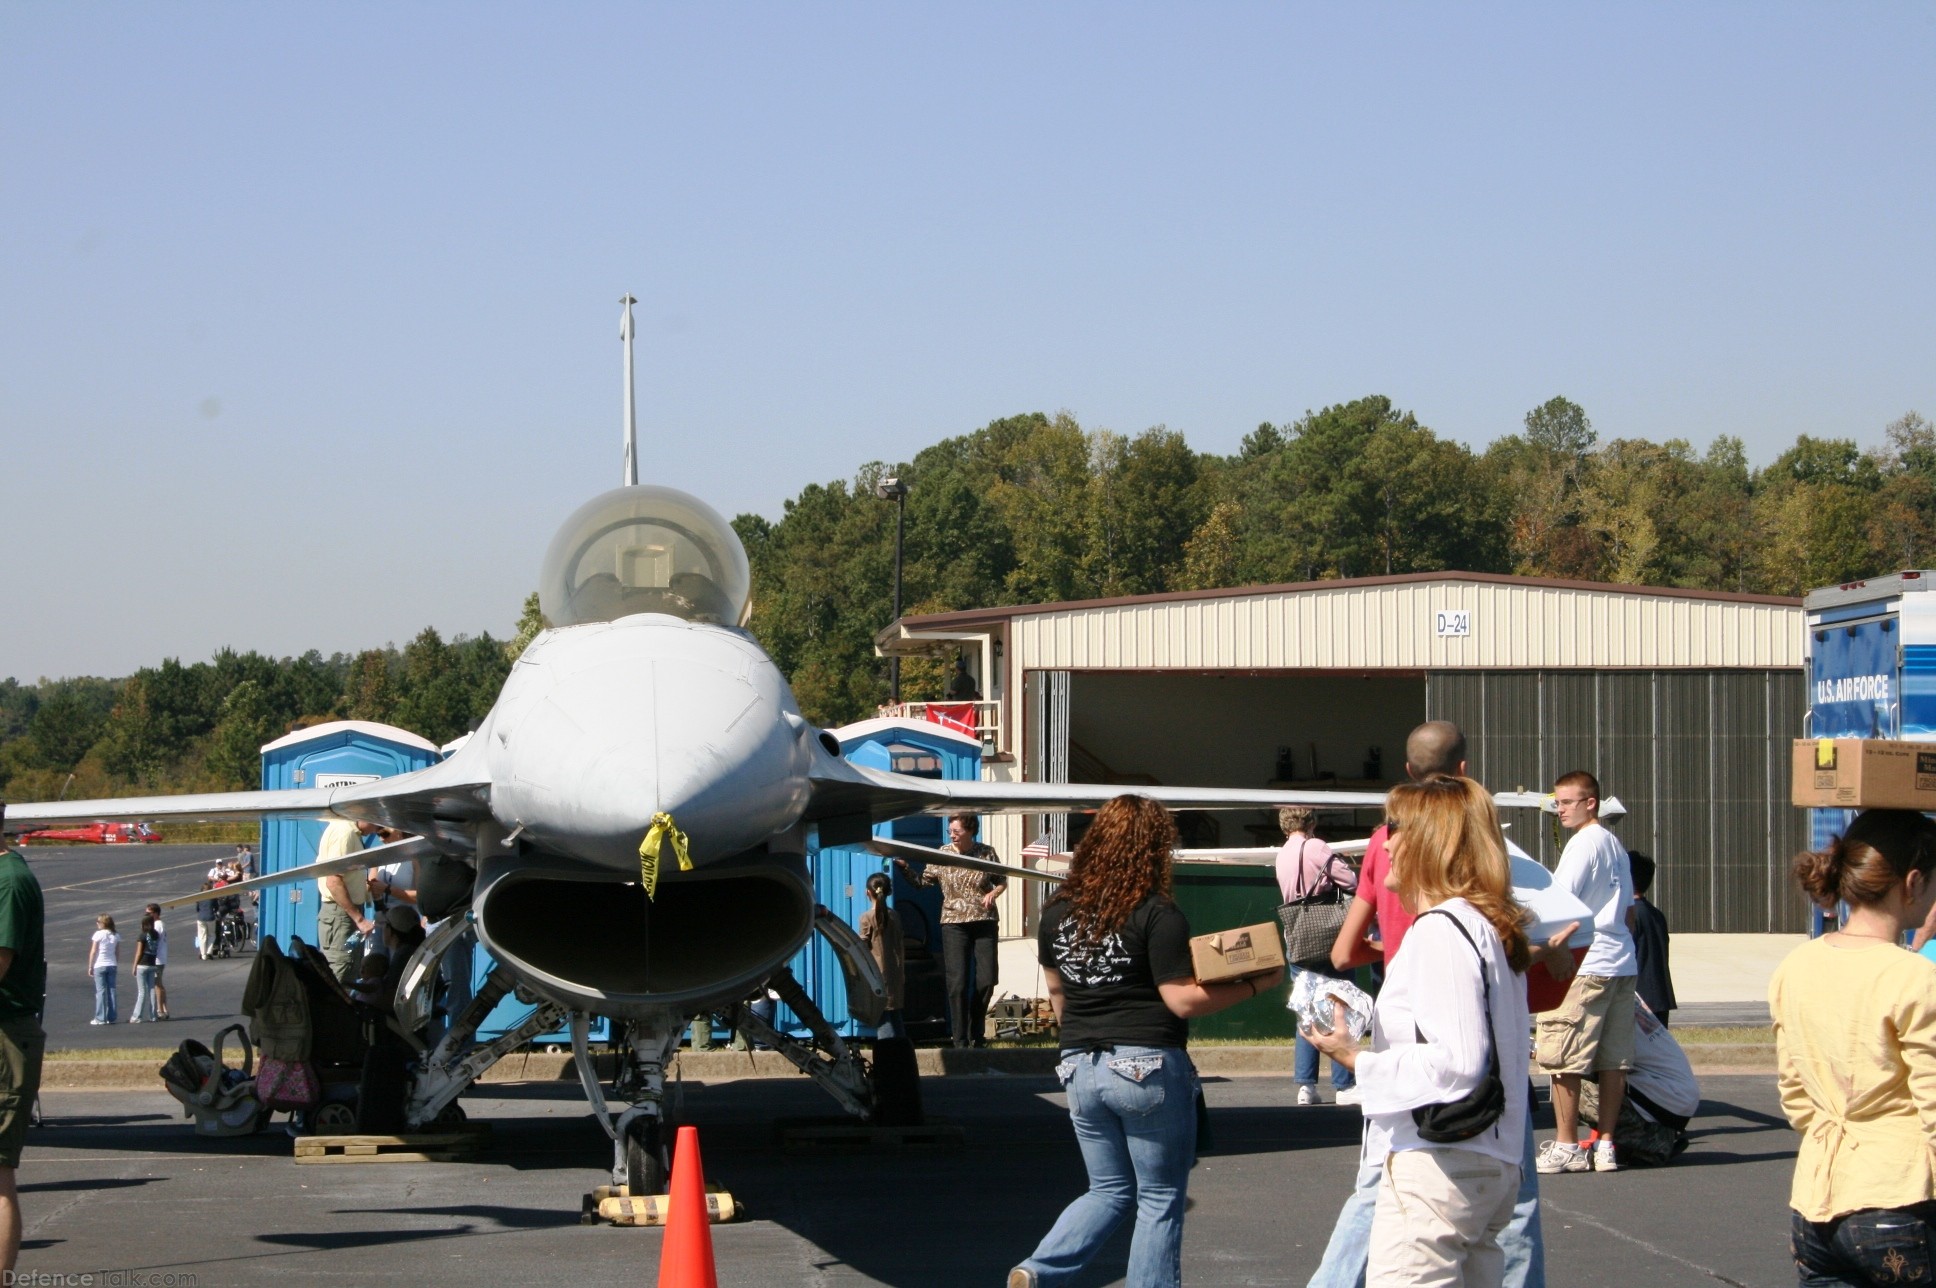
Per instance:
(1455,1120)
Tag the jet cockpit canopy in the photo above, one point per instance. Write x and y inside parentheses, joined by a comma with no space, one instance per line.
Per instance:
(645,549)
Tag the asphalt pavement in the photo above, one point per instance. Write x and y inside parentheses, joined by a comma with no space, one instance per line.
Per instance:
(80,882)
(117,1182)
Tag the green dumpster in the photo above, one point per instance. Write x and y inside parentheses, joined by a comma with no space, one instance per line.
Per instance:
(1223,896)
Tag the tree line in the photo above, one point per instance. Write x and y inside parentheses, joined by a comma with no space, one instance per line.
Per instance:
(200,727)
(1038,509)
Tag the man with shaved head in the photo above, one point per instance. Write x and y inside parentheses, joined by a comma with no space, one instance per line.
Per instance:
(1435,747)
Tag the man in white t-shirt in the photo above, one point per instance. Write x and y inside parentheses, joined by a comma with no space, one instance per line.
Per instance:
(1592,1031)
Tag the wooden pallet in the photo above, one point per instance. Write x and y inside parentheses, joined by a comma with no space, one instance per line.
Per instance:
(416,1147)
(616,1205)
(856,1138)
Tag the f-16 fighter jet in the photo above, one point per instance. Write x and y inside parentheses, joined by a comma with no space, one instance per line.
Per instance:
(628,828)
(646,718)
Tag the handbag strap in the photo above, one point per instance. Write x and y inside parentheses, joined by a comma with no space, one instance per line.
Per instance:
(1303,871)
(1485,980)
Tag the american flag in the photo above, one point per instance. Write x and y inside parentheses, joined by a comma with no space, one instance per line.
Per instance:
(1037,851)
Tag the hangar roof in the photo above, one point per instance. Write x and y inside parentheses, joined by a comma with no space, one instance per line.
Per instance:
(1440,620)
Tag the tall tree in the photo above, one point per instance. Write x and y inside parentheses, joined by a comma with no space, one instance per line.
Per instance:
(1541,469)
(1143,506)
(530,621)
(69,719)
(249,720)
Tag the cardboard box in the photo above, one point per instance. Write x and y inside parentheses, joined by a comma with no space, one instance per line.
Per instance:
(1864,773)
(1237,954)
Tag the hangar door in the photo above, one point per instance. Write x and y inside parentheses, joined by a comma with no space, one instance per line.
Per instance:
(1699,757)
(1331,729)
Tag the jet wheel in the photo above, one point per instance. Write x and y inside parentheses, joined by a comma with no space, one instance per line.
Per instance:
(648,1159)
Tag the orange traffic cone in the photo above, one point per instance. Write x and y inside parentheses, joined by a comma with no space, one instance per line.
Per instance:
(686,1256)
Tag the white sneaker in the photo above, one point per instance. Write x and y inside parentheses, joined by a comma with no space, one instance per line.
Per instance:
(97,1021)
(1308,1095)
(1603,1160)
(1555,1157)
(1348,1096)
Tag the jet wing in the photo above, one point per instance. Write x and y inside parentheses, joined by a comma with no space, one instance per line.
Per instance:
(891,849)
(404,851)
(312,802)
(1262,854)
(842,790)
(414,802)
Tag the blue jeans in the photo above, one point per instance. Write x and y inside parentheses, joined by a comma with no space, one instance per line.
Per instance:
(1350,1247)
(1875,1245)
(1135,1115)
(104,1009)
(144,996)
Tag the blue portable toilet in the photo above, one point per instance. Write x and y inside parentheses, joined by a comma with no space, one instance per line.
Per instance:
(342,753)
(921,749)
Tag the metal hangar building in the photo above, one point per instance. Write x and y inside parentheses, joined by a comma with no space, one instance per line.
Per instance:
(1684,704)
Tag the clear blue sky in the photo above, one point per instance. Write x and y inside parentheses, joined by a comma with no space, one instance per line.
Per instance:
(308,311)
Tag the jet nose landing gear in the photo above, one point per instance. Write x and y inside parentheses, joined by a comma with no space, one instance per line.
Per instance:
(641,1139)
(647,1150)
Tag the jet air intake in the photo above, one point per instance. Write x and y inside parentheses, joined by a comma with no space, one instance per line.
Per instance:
(592,944)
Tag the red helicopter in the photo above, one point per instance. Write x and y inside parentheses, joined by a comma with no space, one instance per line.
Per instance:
(97,834)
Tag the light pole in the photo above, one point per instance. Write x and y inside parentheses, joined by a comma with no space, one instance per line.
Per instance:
(893,489)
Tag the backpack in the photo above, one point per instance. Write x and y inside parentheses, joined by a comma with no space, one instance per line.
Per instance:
(277,1003)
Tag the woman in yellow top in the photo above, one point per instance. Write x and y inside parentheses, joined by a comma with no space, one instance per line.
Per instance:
(1855,1038)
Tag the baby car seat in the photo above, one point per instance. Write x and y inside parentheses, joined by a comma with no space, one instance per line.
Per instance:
(221,1100)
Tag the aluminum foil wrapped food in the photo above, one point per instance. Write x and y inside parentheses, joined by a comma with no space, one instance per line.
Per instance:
(1312,996)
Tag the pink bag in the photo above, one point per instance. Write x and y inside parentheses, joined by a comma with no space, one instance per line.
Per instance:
(287,1084)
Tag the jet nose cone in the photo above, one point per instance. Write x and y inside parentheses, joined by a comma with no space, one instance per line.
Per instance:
(700,734)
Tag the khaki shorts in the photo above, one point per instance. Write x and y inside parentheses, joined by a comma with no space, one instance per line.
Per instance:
(1592,1031)
(22,1043)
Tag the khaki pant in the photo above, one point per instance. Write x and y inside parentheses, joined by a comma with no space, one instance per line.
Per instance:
(333,931)
(22,1044)
(1438,1219)
(1592,1030)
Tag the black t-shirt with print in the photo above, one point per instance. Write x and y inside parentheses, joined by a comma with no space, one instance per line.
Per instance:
(1109,994)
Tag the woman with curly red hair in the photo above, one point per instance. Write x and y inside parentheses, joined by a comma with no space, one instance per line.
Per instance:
(1115,951)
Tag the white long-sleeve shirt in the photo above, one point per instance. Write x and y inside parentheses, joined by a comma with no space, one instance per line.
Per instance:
(1434,988)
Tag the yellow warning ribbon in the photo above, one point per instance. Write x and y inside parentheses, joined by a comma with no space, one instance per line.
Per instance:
(662,830)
